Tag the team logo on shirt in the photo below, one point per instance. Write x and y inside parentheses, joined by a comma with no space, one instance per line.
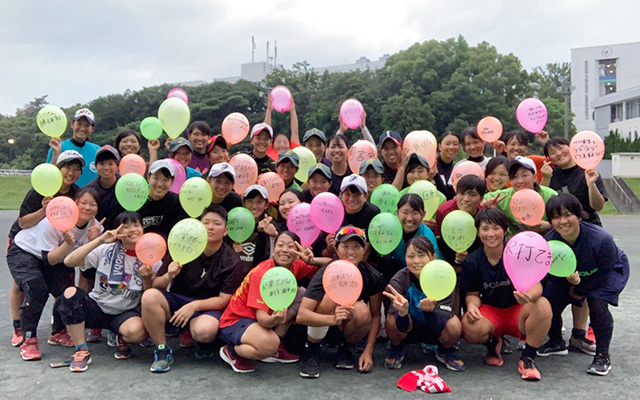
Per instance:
(92,167)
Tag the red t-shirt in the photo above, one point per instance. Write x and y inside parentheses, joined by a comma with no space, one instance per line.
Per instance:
(271,152)
(444,209)
(247,298)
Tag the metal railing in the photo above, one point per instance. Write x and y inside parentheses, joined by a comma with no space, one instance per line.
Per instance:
(15,172)
(617,188)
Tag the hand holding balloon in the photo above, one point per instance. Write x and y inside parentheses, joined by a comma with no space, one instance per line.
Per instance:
(145,271)
(342,313)
(574,278)
(427,304)
(174,269)
(522,297)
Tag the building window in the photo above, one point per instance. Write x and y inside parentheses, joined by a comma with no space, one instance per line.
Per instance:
(616,112)
(607,76)
(633,109)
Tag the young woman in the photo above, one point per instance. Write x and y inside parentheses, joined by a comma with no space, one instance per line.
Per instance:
(372,171)
(162,209)
(32,211)
(449,146)
(496,174)
(494,307)
(416,168)
(319,181)
(413,317)
(287,167)
(199,134)
(281,141)
(250,329)
(316,141)
(114,301)
(200,291)
(288,199)
(337,152)
(261,139)
(342,325)
(474,147)
(35,260)
(601,275)
(522,175)
(128,142)
(217,150)
(390,145)
(181,150)
(221,178)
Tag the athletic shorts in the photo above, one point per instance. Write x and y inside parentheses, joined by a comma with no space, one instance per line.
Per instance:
(233,334)
(176,301)
(430,331)
(504,320)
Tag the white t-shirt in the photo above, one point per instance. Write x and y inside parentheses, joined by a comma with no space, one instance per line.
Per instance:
(115,296)
(44,237)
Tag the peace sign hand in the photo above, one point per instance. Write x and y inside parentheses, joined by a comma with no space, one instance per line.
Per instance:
(94,231)
(304,253)
(493,202)
(400,303)
(112,235)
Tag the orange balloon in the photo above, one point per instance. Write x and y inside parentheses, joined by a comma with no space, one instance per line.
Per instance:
(273,183)
(527,206)
(423,143)
(360,151)
(150,248)
(587,149)
(465,168)
(246,171)
(62,213)
(235,128)
(489,129)
(132,163)
(342,282)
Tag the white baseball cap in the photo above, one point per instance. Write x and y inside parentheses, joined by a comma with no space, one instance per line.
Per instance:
(354,180)
(257,128)
(159,164)
(67,156)
(85,113)
(222,168)
(525,162)
(263,192)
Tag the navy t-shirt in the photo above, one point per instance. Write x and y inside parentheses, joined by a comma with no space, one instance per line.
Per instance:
(492,281)
(572,180)
(108,206)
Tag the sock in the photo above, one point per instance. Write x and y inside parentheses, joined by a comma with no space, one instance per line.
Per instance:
(16,324)
(529,351)
(578,333)
(82,346)
(29,335)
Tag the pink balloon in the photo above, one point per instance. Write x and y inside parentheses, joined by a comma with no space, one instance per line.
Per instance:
(235,128)
(342,282)
(246,172)
(150,248)
(587,149)
(273,183)
(360,151)
(527,259)
(532,115)
(180,175)
(423,143)
(489,129)
(463,169)
(132,163)
(527,206)
(178,93)
(281,98)
(300,223)
(62,213)
(351,112)
(327,212)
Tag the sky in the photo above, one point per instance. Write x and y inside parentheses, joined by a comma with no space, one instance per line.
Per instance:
(76,51)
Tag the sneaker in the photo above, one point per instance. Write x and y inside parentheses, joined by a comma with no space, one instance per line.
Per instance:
(124,349)
(590,335)
(309,367)
(361,344)
(147,342)
(506,346)
(601,365)
(584,345)
(282,356)
(29,350)
(394,357)
(237,363)
(527,369)
(451,360)
(93,335)
(204,350)
(553,349)
(186,340)
(494,349)
(521,345)
(17,338)
(162,360)
(61,338)
(344,358)
(429,348)
(80,361)
(111,339)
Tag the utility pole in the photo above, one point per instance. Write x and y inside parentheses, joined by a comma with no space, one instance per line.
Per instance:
(11,142)
(565,89)
(253,49)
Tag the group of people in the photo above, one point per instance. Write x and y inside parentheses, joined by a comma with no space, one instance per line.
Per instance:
(217,296)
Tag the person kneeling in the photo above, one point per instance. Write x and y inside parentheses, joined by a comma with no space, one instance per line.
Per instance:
(413,317)
(494,307)
(113,302)
(200,291)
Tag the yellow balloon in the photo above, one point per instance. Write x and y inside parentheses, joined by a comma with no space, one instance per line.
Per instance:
(46,179)
(438,279)
(52,121)
(307,160)
(174,115)
(195,195)
(187,240)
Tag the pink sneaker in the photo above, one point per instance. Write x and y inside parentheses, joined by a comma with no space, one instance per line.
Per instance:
(61,338)
(282,356)
(17,338)
(237,363)
(29,350)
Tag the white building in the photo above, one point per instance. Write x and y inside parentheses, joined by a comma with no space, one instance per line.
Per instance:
(606,78)
(618,112)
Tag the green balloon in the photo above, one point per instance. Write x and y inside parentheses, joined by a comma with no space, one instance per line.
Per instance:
(151,128)
(52,121)
(458,230)
(307,160)
(241,224)
(386,197)
(278,288)
(46,179)
(195,195)
(438,279)
(385,232)
(563,259)
(187,240)
(429,194)
(132,191)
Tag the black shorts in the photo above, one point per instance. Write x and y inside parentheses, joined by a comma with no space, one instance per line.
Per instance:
(89,274)
(176,301)
(25,268)
(233,334)
(430,331)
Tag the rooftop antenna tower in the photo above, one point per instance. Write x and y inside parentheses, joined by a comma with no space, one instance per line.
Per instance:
(253,48)
(275,53)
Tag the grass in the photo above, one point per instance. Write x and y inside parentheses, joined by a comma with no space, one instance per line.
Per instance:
(634,184)
(12,191)
(608,209)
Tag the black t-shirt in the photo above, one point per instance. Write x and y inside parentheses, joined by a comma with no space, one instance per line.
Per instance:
(572,180)
(160,216)
(108,205)
(362,218)
(444,169)
(265,164)
(255,250)
(306,196)
(232,201)
(336,181)
(388,173)
(442,177)
(207,277)
(372,283)
(32,202)
(492,281)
